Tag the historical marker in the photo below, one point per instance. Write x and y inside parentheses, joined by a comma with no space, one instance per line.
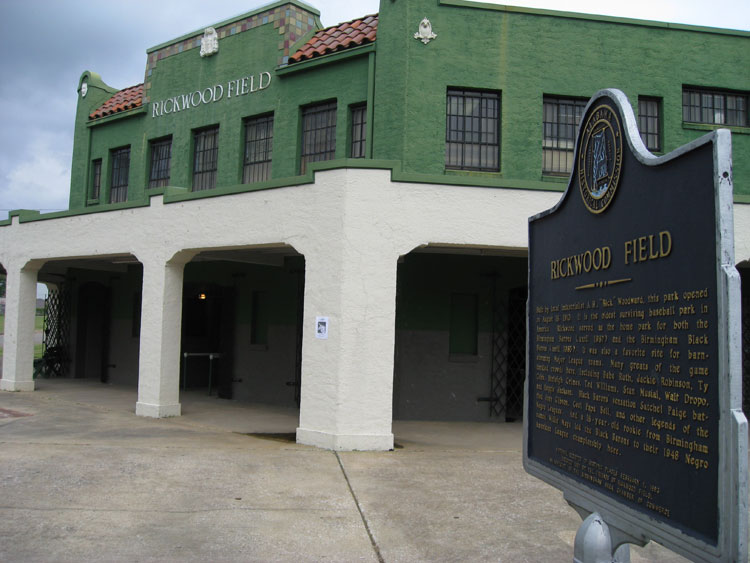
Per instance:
(633,391)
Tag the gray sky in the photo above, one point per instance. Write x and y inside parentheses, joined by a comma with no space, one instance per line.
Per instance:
(51,42)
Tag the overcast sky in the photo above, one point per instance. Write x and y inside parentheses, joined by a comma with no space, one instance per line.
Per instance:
(49,43)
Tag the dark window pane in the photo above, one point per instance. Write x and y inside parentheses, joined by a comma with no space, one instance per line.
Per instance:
(472,132)
(648,123)
(258,149)
(318,134)
(464,328)
(715,107)
(206,158)
(359,131)
(96,180)
(161,155)
(120,170)
(259,319)
(560,120)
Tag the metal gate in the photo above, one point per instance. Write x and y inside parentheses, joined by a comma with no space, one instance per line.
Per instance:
(56,334)
(508,366)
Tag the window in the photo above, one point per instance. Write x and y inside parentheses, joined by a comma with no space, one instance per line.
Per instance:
(259,319)
(464,328)
(715,107)
(161,156)
(96,178)
(205,158)
(561,117)
(472,132)
(118,190)
(648,122)
(359,131)
(318,134)
(258,149)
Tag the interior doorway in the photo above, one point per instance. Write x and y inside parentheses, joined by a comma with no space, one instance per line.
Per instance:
(208,337)
(93,331)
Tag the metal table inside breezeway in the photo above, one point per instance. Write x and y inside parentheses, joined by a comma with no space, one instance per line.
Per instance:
(211,357)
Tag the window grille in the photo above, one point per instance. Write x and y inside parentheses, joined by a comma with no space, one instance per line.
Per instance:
(715,107)
(258,149)
(472,131)
(120,170)
(359,131)
(318,134)
(648,123)
(161,156)
(96,180)
(560,121)
(205,159)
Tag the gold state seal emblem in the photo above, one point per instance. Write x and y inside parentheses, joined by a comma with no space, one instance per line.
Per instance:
(600,158)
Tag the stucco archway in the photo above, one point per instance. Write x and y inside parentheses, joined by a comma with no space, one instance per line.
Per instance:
(241,335)
(460,334)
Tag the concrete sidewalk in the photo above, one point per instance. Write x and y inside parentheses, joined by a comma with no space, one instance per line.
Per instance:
(83,479)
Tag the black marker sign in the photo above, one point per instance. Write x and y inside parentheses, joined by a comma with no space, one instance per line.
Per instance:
(627,369)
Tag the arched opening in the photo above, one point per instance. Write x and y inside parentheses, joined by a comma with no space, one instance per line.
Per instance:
(242,327)
(91,328)
(460,334)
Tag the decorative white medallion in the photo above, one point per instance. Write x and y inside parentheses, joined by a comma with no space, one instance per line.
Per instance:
(84,88)
(209,42)
(425,34)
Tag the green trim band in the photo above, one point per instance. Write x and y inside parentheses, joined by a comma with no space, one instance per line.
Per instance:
(174,194)
(735,129)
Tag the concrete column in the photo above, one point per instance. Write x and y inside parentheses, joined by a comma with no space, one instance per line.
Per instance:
(161,322)
(18,343)
(347,380)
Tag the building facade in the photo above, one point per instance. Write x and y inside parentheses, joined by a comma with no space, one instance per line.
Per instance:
(336,219)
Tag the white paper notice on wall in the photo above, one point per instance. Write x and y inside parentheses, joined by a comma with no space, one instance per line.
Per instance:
(321,328)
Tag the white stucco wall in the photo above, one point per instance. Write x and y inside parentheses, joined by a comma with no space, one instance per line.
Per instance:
(351,226)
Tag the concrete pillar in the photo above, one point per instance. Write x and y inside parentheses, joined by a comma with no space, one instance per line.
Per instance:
(347,379)
(161,322)
(18,343)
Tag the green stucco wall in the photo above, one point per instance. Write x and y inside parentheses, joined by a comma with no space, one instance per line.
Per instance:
(523,54)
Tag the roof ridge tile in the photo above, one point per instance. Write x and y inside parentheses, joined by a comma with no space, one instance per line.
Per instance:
(339,37)
(126,99)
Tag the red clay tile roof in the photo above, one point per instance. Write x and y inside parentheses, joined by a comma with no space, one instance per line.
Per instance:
(125,99)
(337,38)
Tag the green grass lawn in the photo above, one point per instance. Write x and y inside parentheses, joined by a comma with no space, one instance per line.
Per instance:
(38,324)
(37,351)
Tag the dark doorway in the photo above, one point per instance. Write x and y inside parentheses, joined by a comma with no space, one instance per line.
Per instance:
(242,324)
(93,331)
(460,350)
(208,338)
